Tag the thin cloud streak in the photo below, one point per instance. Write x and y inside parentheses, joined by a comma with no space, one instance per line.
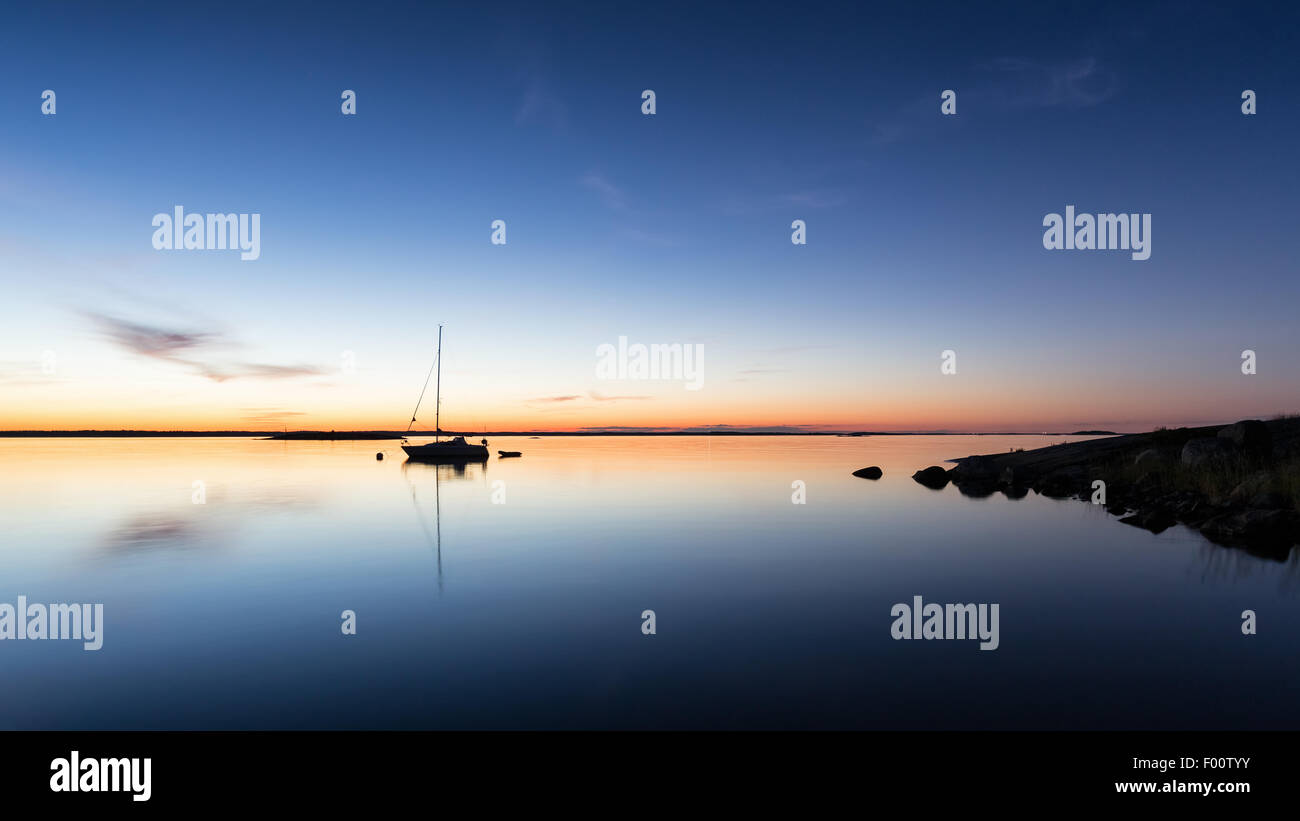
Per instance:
(182,347)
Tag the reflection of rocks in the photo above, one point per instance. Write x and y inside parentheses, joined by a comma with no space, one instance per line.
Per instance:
(148,532)
(869,473)
(977,476)
(1264,527)
(934,477)
(1155,480)
(1156,520)
(1063,482)
(977,490)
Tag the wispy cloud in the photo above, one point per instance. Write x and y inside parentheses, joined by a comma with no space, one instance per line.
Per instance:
(600,397)
(647,237)
(554,398)
(541,106)
(609,193)
(187,347)
(269,414)
(1021,83)
(810,198)
(794,349)
(146,340)
(1007,84)
(265,371)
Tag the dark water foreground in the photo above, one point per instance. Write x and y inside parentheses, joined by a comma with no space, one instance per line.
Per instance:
(511,594)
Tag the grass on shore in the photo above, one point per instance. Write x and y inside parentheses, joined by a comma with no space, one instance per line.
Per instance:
(1215,481)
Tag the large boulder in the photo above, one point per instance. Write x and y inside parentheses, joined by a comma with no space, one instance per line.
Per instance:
(1250,436)
(934,477)
(1206,451)
(1063,482)
(980,468)
(1149,459)
(869,473)
(1256,484)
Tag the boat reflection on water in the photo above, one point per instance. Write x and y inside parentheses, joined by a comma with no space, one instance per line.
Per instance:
(450,469)
(417,471)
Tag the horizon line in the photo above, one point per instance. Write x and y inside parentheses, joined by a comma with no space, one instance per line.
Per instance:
(719,431)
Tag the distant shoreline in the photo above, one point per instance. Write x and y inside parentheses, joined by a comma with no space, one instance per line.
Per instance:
(355,435)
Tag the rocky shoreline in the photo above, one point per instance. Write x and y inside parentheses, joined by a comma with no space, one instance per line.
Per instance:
(1239,484)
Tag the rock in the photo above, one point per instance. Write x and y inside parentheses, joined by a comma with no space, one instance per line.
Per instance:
(1149,459)
(1253,485)
(1063,483)
(1250,436)
(974,467)
(1286,451)
(934,477)
(1206,451)
(1148,483)
(975,476)
(869,473)
(1268,500)
(1195,513)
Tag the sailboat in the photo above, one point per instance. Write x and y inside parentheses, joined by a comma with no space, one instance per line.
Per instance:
(455,449)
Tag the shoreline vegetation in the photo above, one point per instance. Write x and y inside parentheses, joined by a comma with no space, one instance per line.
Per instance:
(1238,484)
(360,435)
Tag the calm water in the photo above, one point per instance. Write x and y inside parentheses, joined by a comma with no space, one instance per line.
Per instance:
(527,613)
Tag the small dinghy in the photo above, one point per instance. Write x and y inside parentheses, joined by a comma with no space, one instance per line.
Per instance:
(504,453)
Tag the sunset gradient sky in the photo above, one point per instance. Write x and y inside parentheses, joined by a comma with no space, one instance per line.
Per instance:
(924,231)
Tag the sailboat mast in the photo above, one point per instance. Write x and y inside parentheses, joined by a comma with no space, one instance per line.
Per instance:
(437,391)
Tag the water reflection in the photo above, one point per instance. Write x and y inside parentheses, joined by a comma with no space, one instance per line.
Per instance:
(417,471)
(1105,625)
(1228,564)
(147,532)
(446,469)
(1280,551)
(190,525)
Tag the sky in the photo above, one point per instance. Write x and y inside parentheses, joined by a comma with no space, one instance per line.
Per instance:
(924,231)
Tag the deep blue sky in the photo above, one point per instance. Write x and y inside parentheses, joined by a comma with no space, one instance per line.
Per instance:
(924,231)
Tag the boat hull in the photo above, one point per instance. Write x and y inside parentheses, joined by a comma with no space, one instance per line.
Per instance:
(446,452)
